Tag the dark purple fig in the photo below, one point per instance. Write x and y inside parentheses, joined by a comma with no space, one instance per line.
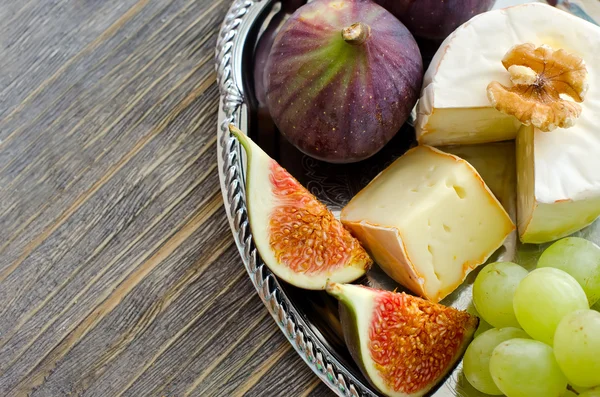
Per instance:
(342,78)
(263,47)
(435,19)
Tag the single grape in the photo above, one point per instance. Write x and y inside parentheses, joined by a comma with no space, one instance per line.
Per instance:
(578,389)
(578,257)
(543,298)
(568,393)
(483,326)
(466,388)
(526,368)
(476,362)
(595,392)
(493,292)
(577,347)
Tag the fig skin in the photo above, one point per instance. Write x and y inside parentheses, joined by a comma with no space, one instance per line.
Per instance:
(348,320)
(342,100)
(435,19)
(263,48)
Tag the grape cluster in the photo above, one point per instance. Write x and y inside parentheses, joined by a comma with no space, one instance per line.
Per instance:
(546,340)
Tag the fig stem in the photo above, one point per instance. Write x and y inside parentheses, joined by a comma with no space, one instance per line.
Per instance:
(357,33)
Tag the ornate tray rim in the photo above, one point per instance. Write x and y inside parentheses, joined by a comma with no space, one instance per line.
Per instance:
(230,157)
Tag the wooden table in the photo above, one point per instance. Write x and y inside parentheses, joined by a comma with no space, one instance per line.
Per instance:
(118,273)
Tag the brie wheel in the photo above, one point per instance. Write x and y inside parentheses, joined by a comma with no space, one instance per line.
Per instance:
(558,171)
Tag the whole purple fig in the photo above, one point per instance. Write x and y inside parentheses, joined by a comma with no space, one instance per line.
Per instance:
(435,19)
(342,78)
(263,47)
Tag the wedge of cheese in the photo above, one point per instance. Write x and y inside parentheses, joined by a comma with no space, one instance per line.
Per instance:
(428,220)
(559,171)
(495,163)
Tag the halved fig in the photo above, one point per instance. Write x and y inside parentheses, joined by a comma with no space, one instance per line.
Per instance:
(404,345)
(297,237)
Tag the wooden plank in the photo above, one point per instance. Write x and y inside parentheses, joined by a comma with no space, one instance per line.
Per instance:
(246,355)
(216,331)
(318,389)
(181,209)
(164,157)
(133,74)
(118,273)
(284,373)
(48,35)
(132,339)
(251,373)
(106,153)
(54,86)
(86,285)
(113,60)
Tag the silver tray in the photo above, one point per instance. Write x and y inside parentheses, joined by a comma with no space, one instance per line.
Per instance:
(309,318)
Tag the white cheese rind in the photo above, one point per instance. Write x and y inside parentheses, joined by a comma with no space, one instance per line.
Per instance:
(563,188)
(539,221)
(392,256)
(428,220)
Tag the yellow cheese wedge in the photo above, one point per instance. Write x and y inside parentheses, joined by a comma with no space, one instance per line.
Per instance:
(428,220)
(496,164)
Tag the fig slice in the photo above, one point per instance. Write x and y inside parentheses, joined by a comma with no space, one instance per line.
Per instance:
(404,345)
(297,237)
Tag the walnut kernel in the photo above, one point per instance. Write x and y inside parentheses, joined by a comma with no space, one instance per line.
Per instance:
(547,85)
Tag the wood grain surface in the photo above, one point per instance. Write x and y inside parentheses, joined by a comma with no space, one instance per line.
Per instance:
(118,274)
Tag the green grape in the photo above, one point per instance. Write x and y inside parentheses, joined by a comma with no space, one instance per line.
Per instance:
(476,362)
(526,368)
(578,257)
(483,326)
(595,392)
(578,389)
(577,347)
(493,292)
(568,393)
(543,298)
(465,387)
(596,306)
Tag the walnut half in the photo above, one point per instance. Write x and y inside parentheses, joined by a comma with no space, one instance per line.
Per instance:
(547,83)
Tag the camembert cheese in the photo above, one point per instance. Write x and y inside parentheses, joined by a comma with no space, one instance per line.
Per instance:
(558,171)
